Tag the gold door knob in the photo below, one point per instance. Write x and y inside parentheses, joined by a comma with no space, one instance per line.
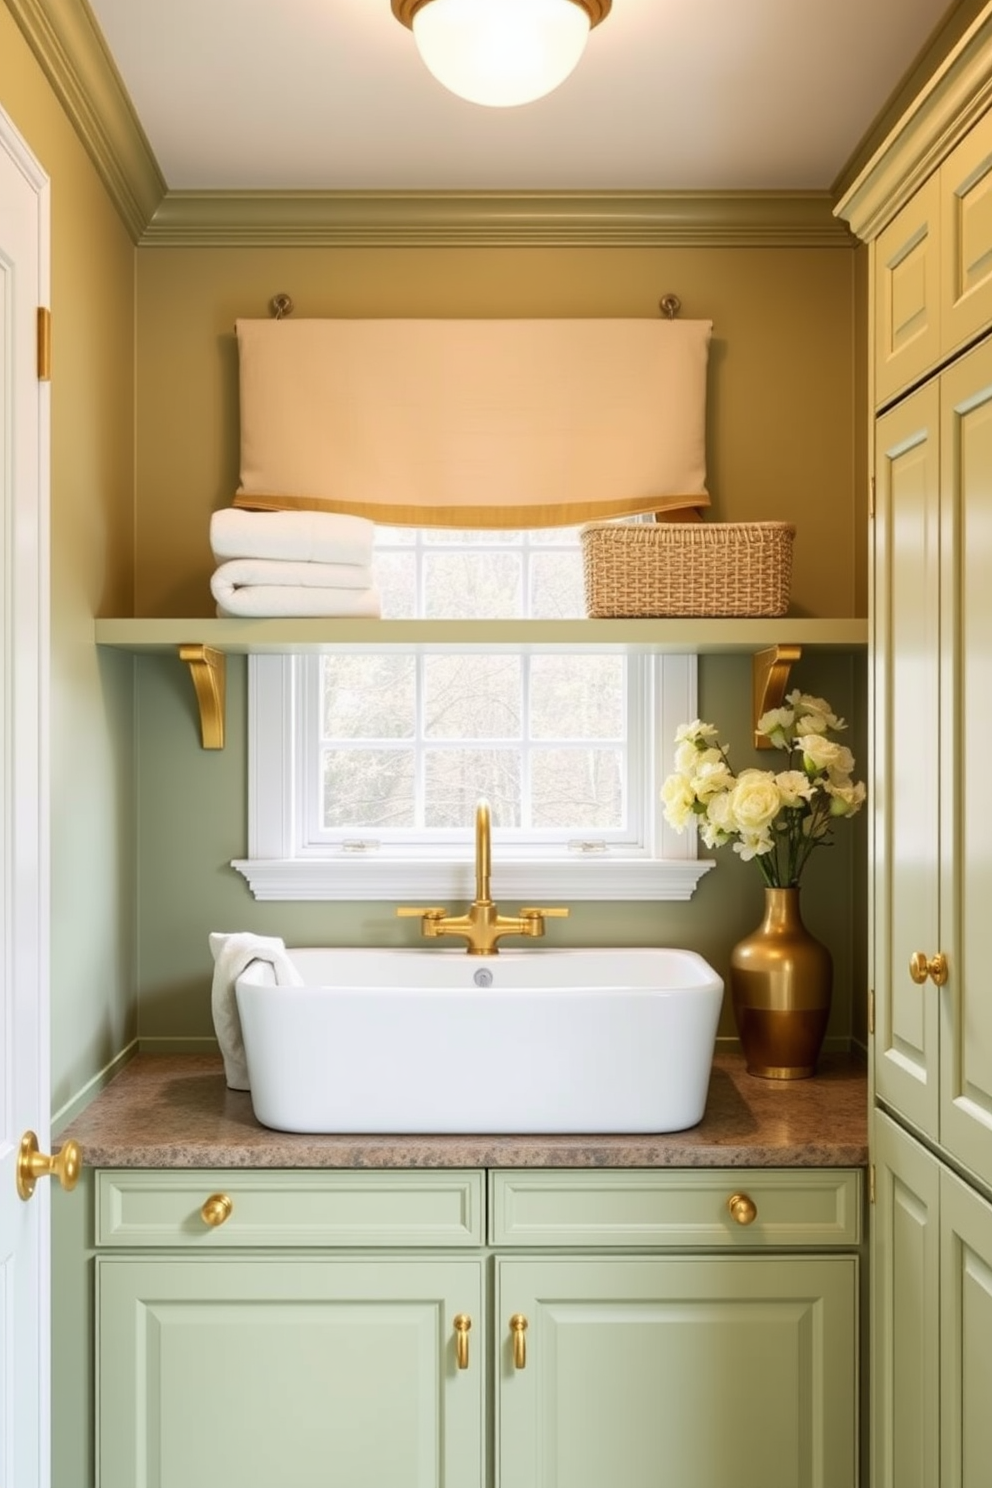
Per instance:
(742,1208)
(935,968)
(518,1328)
(32,1165)
(462,1325)
(216,1209)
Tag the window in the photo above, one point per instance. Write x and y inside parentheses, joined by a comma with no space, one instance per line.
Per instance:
(365,767)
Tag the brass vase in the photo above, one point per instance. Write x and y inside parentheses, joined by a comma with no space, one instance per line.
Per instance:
(781,979)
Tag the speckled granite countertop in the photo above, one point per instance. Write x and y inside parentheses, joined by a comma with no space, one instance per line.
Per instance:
(166,1111)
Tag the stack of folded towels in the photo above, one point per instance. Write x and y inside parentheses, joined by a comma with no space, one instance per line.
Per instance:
(293,563)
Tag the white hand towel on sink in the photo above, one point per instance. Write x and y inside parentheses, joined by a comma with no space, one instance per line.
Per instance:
(232,953)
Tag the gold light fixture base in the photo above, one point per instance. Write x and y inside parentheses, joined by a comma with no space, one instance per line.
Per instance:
(596,10)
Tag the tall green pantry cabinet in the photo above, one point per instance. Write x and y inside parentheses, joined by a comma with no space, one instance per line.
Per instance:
(925,206)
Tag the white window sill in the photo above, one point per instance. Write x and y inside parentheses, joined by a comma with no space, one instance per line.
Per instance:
(439,881)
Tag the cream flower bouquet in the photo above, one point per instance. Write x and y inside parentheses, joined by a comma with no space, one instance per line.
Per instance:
(776,818)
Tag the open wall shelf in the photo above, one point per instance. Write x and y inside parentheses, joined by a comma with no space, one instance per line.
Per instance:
(204,645)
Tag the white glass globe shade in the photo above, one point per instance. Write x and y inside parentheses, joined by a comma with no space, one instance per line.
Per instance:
(501,52)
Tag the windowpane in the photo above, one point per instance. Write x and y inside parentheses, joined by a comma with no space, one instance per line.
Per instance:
(578,697)
(472,586)
(396,577)
(577,788)
(557,589)
(368,697)
(472,697)
(365,788)
(454,779)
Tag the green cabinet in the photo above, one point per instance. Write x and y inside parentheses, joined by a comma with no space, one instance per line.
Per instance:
(298,1372)
(931,1320)
(574,1328)
(931,785)
(700,1372)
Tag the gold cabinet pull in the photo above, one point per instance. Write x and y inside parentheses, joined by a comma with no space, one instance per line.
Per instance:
(462,1325)
(217,1209)
(518,1328)
(935,968)
(742,1208)
(32,1165)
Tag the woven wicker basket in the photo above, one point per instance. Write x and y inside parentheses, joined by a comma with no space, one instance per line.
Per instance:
(686,568)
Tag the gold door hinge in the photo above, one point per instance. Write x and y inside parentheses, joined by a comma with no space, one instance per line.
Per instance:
(871,1009)
(871,497)
(44,344)
(871,1183)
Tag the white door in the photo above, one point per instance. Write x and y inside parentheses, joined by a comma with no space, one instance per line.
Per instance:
(24,1070)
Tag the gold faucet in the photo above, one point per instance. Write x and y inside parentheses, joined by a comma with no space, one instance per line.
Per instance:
(482,925)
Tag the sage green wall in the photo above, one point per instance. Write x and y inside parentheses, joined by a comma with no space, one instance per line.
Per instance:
(192,822)
(92,533)
(784,403)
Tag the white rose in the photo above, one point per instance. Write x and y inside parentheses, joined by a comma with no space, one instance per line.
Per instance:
(689,757)
(694,731)
(794,787)
(754,801)
(775,725)
(678,799)
(753,845)
(816,707)
(846,797)
(712,779)
(822,754)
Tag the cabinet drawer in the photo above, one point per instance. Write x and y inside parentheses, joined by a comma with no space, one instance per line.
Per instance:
(137,1207)
(640,1207)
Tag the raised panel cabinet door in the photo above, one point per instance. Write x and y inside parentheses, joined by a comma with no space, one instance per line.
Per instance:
(906,766)
(966,239)
(906,286)
(677,1372)
(289,1373)
(966,723)
(966,1335)
(905,1327)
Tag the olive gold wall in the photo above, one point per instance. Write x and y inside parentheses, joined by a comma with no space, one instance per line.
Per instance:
(784,397)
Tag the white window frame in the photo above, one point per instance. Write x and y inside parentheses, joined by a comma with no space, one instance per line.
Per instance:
(281,865)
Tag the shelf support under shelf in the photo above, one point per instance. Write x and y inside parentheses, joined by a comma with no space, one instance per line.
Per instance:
(769,678)
(208,668)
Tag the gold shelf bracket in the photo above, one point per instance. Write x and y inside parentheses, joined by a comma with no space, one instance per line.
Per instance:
(208,668)
(769,678)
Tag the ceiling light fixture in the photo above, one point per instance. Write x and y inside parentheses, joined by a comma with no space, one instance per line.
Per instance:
(501,52)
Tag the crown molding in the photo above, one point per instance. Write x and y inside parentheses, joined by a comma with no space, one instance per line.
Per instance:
(495,218)
(957,93)
(65,39)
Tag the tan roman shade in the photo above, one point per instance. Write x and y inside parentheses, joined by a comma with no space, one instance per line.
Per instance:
(473,423)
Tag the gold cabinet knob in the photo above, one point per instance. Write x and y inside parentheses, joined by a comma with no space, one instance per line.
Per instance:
(462,1324)
(742,1208)
(920,967)
(518,1328)
(32,1165)
(937,969)
(216,1209)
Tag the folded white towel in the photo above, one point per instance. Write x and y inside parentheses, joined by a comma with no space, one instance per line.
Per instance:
(232,953)
(260,600)
(240,573)
(297,536)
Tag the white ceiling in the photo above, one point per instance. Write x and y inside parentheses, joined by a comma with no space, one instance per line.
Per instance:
(671,95)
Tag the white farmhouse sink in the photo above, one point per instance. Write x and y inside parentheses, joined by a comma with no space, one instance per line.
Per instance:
(441,1041)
